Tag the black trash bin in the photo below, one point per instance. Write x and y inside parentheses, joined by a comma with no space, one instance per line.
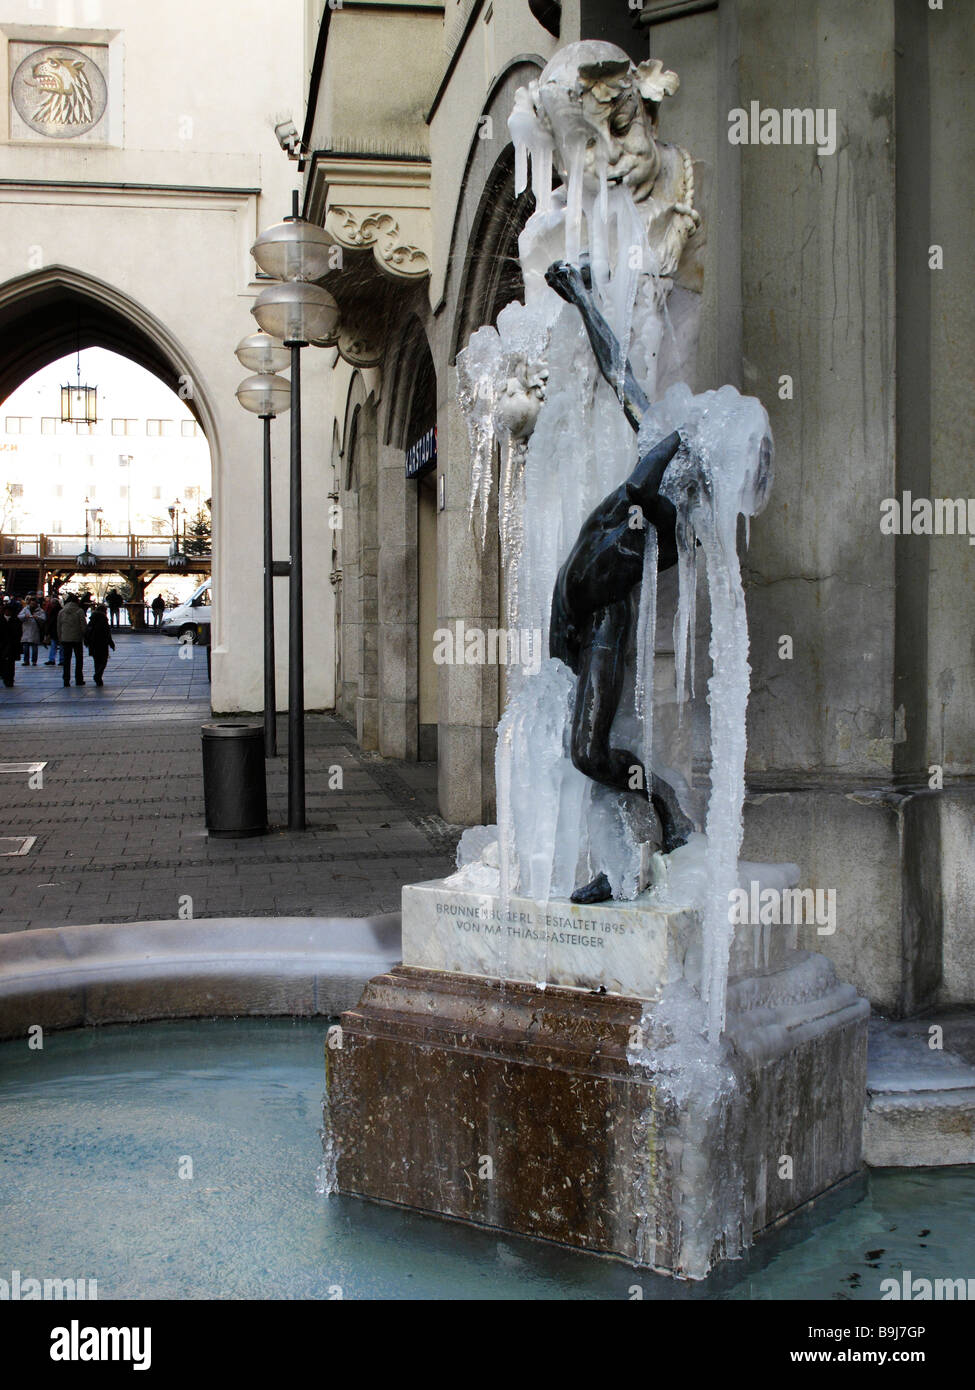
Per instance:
(234,787)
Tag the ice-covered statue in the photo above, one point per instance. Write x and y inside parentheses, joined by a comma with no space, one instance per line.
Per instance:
(670,1096)
(611,470)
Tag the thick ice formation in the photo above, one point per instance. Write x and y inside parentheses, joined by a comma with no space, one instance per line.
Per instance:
(722,474)
(531,388)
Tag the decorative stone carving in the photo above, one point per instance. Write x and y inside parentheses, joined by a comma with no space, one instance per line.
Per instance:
(59,92)
(379,231)
(613,108)
(358,348)
(377,209)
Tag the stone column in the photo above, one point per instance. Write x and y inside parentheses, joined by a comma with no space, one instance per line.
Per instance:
(397,589)
(350,632)
(367,699)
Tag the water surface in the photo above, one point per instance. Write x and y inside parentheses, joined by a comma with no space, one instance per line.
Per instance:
(96,1128)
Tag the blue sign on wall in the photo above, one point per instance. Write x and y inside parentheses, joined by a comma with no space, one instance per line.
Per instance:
(422,454)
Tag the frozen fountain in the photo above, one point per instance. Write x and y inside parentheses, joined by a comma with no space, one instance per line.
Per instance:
(588,1040)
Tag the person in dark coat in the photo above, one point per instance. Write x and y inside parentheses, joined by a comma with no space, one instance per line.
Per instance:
(114,600)
(10,640)
(72,627)
(54,653)
(98,640)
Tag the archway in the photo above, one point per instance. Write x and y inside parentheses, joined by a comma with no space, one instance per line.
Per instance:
(410,600)
(357,699)
(51,313)
(48,313)
(492,274)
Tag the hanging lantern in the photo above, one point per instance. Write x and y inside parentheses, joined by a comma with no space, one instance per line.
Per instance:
(79,404)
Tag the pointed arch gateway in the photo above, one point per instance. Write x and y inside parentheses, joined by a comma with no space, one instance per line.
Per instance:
(46,314)
(49,313)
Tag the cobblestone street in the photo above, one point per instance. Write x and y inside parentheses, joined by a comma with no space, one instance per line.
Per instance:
(118,818)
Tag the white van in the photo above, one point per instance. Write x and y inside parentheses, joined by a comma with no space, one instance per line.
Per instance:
(185,617)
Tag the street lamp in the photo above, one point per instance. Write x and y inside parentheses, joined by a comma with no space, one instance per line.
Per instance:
(87,560)
(177,560)
(297,312)
(261,353)
(125,461)
(266,395)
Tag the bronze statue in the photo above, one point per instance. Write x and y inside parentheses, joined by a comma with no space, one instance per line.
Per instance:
(590,621)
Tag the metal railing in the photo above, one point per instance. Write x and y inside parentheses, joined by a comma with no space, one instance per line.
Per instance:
(129,546)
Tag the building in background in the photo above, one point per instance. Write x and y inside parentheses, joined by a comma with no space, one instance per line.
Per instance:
(127,210)
(146,453)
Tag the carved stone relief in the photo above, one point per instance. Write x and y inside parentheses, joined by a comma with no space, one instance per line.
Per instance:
(58,91)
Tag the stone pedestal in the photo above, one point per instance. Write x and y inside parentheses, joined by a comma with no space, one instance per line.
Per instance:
(538,1109)
(631,948)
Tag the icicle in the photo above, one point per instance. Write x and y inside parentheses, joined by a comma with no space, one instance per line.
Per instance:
(722,472)
(542,171)
(645,643)
(523,128)
(521,167)
(684,617)
(728,699)
(573,208)
(479,381)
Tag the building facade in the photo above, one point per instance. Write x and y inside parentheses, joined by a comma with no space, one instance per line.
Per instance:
(145,453)
(833,273)
(138,162)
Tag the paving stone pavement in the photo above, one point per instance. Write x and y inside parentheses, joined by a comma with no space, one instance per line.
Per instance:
(118,810)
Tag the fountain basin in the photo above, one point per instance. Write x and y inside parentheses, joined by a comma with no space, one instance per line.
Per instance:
(93,1126)
(523,1108)
(68,977)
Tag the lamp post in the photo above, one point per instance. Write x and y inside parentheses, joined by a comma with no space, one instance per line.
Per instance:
(297,312)
(125,461)
(266,395)
(87,560)
(177,557)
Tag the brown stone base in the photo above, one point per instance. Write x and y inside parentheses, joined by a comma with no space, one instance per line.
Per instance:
(518,1108)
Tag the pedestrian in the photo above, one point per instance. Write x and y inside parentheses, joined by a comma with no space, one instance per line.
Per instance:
(9,642)
(158,607)
(114,600)
(98,640)
(71,633)
(30,635)
(54,653)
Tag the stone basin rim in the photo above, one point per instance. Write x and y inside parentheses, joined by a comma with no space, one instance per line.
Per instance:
(101,973)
